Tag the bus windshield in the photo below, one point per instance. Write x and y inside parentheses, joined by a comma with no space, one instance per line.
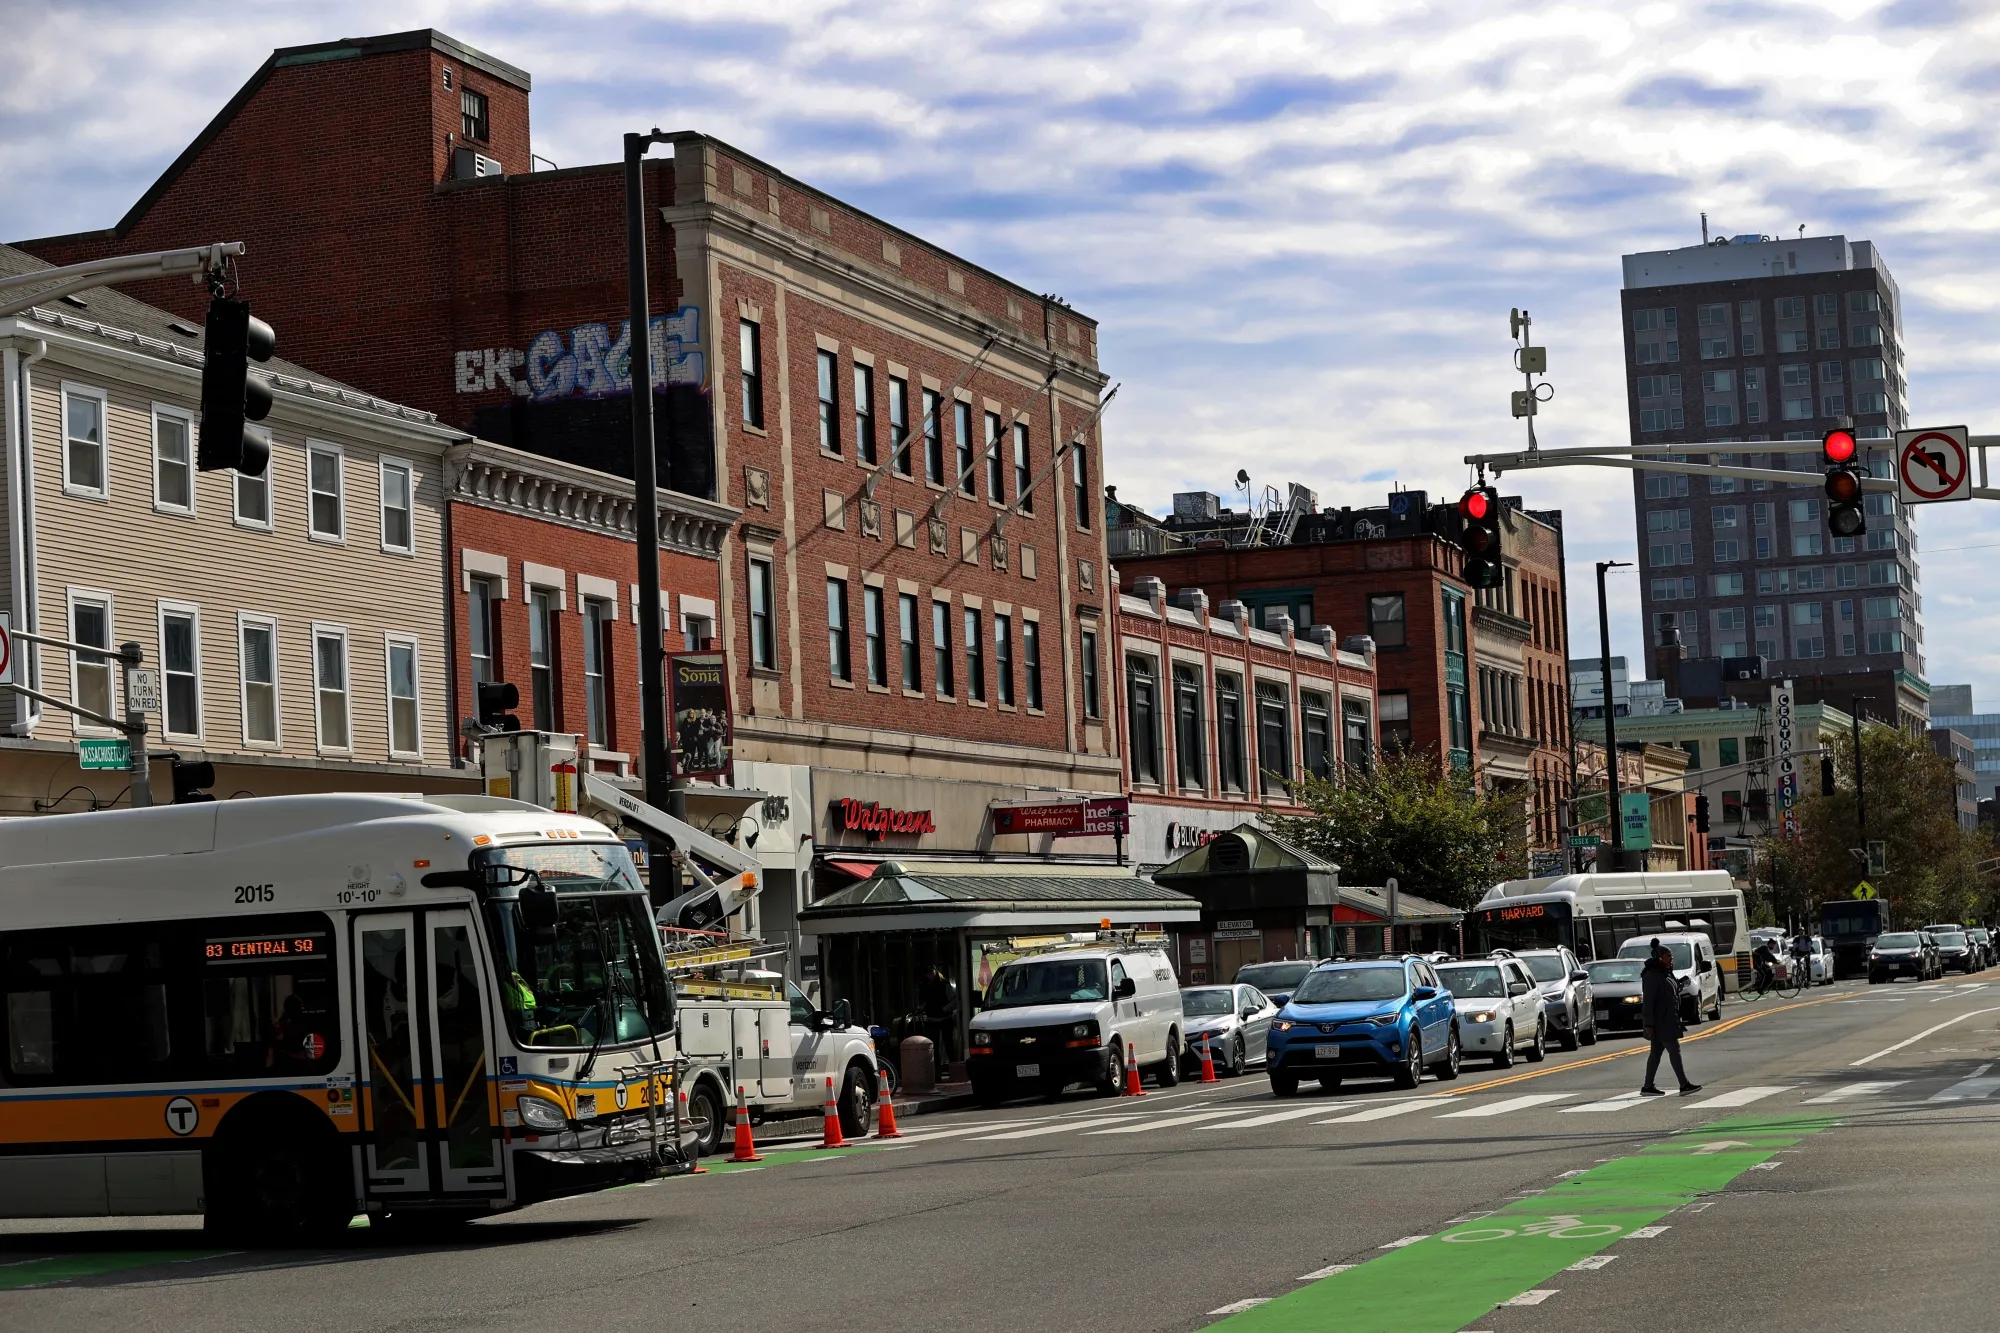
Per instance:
(595,977)
(1519,926)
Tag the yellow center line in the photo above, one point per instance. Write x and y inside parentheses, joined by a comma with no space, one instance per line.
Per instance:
(1715,1031)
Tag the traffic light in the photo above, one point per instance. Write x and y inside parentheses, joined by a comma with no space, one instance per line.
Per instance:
(495,702)
(1843,483)
(1479,536)
(232,395)
(1701,813)
(1826,787)
(192,778)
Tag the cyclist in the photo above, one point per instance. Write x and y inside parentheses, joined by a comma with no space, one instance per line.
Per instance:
(1766,961)
(1802,957)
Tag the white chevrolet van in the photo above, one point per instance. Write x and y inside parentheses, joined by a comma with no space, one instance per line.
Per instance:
(1080,1015)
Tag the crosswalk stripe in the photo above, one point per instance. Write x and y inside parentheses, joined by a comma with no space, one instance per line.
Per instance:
(1618,1103)
(1852,1090)
(1743,1096)
(1269,1118)
(1380,1113)
(926,1135)
(1509,1104)
(1170,1122)
(1063,1128)
(1972,1089)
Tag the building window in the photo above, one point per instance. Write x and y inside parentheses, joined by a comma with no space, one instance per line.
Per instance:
(1031,663)
(405,734)
(829,403)
(751,351)
(697,631)
(544,653)
(83,442)
(933,438)
(1395,715)
(1229,733)
(180,670)
(1143,706)
(90,683)
(398,529)
(1189,760)
(836,630)
(1316,728)
(1091,706)
(864,413)
(323,486)
(1354,734)
(975,656)
(1728,550)
(597,620)
(906,628)
(996,473)
(259,663)
(1023,478)
(899,425)
(1386,623)
(1003,658)
(1274,739)
(1454,622)
(961,421)
(472,115)
(763,629)
(1719,414)
(253,499)
(482,630)
(1080,480)
(173,464)
(941,648)
(875,632)
(1666,486)
(330,687)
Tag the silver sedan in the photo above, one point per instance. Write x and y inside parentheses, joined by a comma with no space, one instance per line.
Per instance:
(1234,1022)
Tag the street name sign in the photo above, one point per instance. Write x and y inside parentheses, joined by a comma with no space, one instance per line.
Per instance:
(104,754)
(1584,839)
(1934,464)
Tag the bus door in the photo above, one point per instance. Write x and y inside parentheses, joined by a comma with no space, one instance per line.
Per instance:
(428,1094)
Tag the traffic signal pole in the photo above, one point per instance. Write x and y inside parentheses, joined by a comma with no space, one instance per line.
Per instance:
(1611,810)
(49,284)
(1665,458)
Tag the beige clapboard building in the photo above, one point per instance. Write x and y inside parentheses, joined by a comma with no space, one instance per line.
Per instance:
(298,620)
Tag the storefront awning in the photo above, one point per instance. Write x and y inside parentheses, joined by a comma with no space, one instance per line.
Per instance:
(1007,896)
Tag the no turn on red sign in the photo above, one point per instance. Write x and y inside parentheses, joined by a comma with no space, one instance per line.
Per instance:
(1934,464)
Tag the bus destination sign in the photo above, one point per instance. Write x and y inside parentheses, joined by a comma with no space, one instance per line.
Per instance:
(259,948)
(1525,912)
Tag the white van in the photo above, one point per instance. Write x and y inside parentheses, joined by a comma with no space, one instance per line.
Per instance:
(1694,970)
(1079,1015)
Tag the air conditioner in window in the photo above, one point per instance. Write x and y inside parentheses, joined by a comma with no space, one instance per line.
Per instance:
(469,164)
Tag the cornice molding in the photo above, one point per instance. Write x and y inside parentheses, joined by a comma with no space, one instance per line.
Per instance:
(552,491)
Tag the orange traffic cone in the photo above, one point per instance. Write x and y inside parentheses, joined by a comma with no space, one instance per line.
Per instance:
(697,1169)
(885,1105)
(746,1147)
(1132,1088)
(831,1138)
(1207,1061)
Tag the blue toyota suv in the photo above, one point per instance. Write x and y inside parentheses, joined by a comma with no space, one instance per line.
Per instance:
(1389,1016)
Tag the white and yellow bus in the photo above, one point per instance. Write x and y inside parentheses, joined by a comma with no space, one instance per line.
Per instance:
(284,1011)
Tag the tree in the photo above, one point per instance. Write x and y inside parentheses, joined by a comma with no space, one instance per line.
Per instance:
(1933,864)
(1425,823)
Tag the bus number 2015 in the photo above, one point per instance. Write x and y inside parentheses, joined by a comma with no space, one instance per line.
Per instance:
(255,893)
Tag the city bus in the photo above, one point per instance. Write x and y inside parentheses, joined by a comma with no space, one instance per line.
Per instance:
(284,1011)
(1594,914)
(1850,926)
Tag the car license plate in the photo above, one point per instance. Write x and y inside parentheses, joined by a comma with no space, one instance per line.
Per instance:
(1027,1071)
(1327,1051)
(1604,1013)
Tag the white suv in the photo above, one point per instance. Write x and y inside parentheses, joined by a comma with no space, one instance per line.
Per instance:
(1076,1016)
(1499,1009)
(1694,971)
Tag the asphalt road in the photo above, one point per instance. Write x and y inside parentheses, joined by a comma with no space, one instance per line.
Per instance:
(1836,1170)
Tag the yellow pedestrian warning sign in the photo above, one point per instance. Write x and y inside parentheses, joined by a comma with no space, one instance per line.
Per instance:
(1864,890)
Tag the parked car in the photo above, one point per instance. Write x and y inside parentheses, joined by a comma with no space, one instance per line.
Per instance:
(1387,1016)
(1234,1021)
(1694,971)
(1982,938)
(1499,1009)
(1076,1016)
(1615,993)
(1822,961)
(1565,988)
(1954,951)
(1275,980)
(1899,953)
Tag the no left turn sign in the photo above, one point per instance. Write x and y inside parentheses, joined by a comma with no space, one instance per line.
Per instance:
(6,650)
(1933,465)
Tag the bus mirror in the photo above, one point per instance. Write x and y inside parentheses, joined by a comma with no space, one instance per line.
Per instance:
(538,906)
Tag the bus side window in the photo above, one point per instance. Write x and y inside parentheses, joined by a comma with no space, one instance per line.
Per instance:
(269,999)
(85,1006)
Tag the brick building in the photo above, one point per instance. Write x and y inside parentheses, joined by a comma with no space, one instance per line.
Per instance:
(914,618)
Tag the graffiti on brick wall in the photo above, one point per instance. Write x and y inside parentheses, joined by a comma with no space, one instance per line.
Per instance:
(586,361)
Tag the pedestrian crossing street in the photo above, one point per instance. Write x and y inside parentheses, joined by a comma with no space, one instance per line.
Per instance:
(1121,1120)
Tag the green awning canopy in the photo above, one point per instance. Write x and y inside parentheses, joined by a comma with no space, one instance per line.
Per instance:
(945,896)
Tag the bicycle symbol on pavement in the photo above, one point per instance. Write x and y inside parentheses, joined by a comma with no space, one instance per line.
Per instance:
(1563,1226)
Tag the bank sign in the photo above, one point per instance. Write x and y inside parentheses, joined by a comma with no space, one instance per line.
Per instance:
(587,361)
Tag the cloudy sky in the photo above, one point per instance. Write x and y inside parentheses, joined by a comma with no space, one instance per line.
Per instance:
(1301,224)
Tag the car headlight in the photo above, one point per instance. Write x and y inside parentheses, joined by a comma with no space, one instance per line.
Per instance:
(1384,1020)
(541,1113)
(1283,1025)
(1483,1016)
(1082,1029)
(982,1039)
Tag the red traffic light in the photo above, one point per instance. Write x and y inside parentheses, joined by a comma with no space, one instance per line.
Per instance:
(1838,447)
(1475,504)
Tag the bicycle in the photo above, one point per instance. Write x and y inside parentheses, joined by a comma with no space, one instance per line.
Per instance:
(1563,1226)
(1787,987)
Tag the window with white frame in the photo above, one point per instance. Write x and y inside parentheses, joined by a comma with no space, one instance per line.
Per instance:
(330,689)
(325,519)
(253,499)
(405,728)
(597,618)
(91,673)
(83,441)
(173,460)
(482,628)
(398,520)
(259,668)
(180,669)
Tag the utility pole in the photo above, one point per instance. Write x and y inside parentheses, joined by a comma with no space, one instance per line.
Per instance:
(131,655)
(654,748)
(1860,787)
(1611,809)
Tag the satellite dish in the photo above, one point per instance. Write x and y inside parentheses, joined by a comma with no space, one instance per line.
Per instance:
(1242,477)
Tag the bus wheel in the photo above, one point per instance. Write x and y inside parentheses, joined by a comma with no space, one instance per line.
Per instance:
(276,1182)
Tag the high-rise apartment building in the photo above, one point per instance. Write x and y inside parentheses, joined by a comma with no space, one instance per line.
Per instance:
(1752,339)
